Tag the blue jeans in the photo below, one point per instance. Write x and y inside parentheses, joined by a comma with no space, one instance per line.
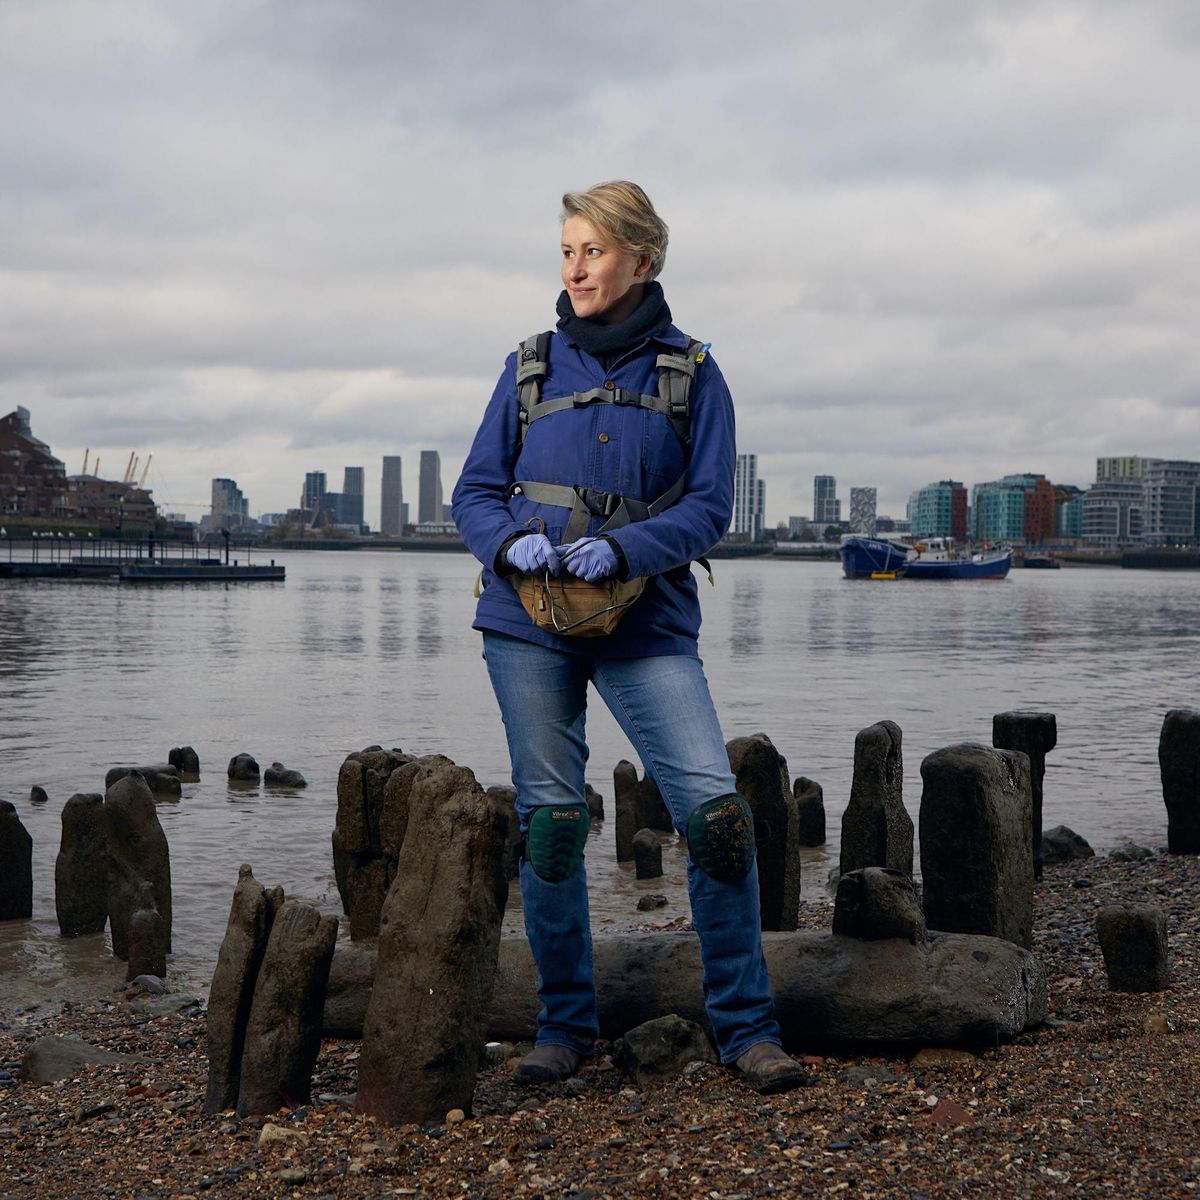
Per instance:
(664,707)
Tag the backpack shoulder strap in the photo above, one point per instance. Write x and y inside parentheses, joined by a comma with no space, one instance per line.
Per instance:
(675,374)
(533,364)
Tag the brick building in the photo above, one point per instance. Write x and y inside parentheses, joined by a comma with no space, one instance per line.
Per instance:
(33,483)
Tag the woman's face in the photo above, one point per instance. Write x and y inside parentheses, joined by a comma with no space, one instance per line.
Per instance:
(603,281)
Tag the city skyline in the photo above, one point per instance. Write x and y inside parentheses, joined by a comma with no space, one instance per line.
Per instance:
(928,241)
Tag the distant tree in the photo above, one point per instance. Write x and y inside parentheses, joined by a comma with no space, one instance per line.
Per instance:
(832,533)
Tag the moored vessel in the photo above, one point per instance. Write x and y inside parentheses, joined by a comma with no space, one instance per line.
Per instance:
(873,558)
(942,558)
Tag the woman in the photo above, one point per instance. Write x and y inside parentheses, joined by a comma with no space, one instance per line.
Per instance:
(615,436)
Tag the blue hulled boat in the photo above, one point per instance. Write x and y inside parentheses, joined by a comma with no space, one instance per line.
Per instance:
(874,558)
(940,558)
(934,558)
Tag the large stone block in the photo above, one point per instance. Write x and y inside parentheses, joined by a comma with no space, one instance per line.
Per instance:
(976,859)
(761,775)
(161,778)
(877,903)
(876,829)
(639,805)
(1133,940)
(16,866)
(146,939)
(232,991)
(243,768)
(956,990)
(810,811)
(1063,845)
(81,868)
(50,1059)
(283,1033)
(1179,764)
(186,761)
(438,942)
(277,775)
(595,802)
(647,854)
(959,990)
(372,814)
(663,1047)
(362,779)
(1034,734)
(137,851)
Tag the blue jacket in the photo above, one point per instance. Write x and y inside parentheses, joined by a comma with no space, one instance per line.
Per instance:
(623,449)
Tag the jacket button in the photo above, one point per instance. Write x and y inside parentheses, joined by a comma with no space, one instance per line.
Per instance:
(604,437)
(609,385)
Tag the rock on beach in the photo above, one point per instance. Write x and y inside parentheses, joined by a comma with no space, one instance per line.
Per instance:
(81,868)
(439,933)
(283,1032)
(16,866)
(52,1058)
(137,851)
(959,989)
(976,830)
(761,774)
(231,994)
(876,828)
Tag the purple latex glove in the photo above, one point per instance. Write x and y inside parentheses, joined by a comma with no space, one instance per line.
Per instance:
(590,559)
(533,554)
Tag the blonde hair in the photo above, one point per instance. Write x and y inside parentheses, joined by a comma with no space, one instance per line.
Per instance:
(623,210)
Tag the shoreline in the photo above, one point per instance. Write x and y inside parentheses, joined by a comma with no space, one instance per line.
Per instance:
(1099,1100)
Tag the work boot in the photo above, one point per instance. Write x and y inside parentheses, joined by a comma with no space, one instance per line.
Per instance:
(547,1064)
(768,1069)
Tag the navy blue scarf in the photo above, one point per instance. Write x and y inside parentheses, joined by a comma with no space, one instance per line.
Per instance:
(651,318)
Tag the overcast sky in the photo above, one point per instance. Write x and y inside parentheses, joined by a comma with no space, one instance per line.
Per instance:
(926,240)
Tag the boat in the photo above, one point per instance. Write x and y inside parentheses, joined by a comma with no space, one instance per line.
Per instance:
(942,558)
(873,558)
(933,558)
(1041,562)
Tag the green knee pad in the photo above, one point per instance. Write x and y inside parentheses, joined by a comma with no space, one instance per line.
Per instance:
(720,836)
(555,841)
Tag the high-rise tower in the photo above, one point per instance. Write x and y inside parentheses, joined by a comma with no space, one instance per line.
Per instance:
(429,497)
(391,506)
(749,497)
(827,508)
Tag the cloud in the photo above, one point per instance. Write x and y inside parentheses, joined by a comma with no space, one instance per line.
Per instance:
(927,240)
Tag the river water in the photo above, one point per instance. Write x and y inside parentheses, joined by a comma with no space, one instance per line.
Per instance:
(369,647)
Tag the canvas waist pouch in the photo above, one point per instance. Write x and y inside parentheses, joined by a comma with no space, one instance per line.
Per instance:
(575,608)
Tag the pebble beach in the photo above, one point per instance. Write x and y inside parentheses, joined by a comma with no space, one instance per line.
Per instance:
(1101,1100)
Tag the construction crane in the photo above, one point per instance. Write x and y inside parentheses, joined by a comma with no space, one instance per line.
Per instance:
(146,470)
(129,467)
(85,458)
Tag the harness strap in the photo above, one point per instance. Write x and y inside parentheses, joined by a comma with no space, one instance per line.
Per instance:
(675,374)
(533,365)
(586,503)
(622,396)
